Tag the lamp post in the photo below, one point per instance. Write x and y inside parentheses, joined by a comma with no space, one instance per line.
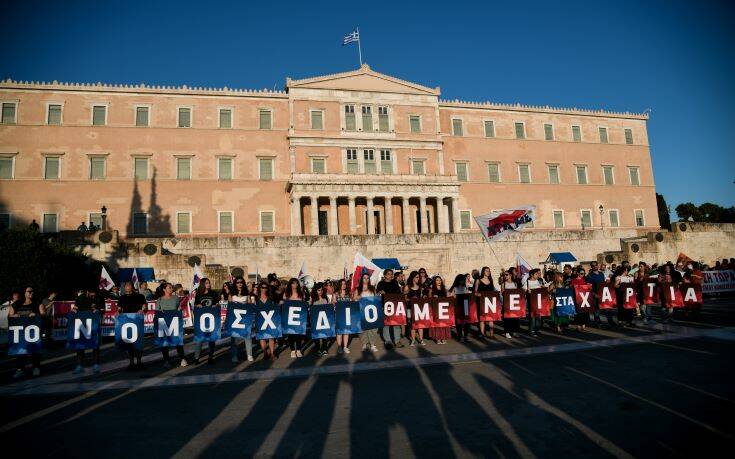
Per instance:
(104,218)
(602,222)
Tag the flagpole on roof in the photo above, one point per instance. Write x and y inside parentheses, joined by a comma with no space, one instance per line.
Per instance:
(359,49)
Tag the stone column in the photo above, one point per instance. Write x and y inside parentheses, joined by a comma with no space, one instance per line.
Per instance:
(388,215)
(441,215)
(370,216)
(333,225)
(455,214)
(353,218)
(406,217)
(314,215)
(422,215)
(296,216)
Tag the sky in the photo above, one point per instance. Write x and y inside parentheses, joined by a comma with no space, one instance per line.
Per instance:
(673,57)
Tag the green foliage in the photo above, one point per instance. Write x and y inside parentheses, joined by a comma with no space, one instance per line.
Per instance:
(707,212)
(663,212)
(30,259)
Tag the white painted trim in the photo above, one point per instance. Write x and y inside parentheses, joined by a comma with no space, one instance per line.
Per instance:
(273,118)
(46,157)
(176,167)
(90,157)
(451,127)
(150,114)
(273,167)
(630,175)
(558,172)
(311,119)
(487,170)
(12,164)
(48,106)
(607,134)
(581,137)
(553,131)
(91,111)
(467,169)
(609,220)
(321,158)
(183,212)
(643,214)
(231,108)
(484,128)
(15,102)
(260,220)
(602,168)
(553,218)
(586,174)
(422,160)
(530,175)
(421,125)
(232,167)
(515,135)
(592,218)
(147,165)
(219,222)
(178,116)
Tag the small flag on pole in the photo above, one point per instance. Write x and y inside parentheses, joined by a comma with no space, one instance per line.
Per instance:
(302,271)
(351,37)
(134,279)
(106,282)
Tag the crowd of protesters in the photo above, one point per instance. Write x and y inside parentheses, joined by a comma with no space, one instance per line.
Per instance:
(270,291)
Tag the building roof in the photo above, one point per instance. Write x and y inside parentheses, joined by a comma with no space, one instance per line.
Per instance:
(560,257)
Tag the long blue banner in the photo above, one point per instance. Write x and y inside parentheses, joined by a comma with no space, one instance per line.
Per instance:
(24,335)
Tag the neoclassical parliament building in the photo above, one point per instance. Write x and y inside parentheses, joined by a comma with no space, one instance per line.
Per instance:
(358,152)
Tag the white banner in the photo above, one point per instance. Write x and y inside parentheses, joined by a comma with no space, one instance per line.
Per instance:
(496,224)
(718,281)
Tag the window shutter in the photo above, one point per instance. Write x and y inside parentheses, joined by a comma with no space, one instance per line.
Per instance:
(614,219)
(8,114)
(184,117)
(548,132)
(462,172)
(266,169)
(586,219)
(581,175)
(52,168)
(98,115)
(266,222)
(415,124)
(317,165)
(489,129)
(6,168)
(265,119)
(457,127)
(183,168)
(554,175)
(629,136)
(603,135)
(141,168)
(141,116)
(317,120)
(635,179)
(97,168)
(350,118)
(525,173)
(493,173)
(367,119)
(96,219)
(49,223)
(576,133)
(182,223)
(520,131)
(608,172)
(225,118)
(558,219)
(225,168)
(54,114)
(225,222)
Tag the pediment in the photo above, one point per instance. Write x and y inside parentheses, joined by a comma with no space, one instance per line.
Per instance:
(363,79)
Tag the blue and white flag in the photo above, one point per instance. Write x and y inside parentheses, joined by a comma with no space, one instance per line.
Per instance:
(351,37)
(322,321)
(168,328)
(24,335)
(348,318)
(207,322)
(371,310)
(83,330)
(294,316)
(239,320)
(129,331)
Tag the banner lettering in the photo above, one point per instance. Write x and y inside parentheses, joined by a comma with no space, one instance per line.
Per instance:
(514,303)
(394,310)
(24,335)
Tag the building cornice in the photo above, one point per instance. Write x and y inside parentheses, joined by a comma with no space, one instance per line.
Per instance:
(539,109)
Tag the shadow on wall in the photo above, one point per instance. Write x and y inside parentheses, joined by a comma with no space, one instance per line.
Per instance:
(151,223)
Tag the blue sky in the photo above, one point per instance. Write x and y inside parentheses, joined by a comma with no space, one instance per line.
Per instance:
(674,57)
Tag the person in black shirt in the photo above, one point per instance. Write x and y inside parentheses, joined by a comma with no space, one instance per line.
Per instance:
(205,297)
(388,285)
(27,307)
(135,303)
(92,302)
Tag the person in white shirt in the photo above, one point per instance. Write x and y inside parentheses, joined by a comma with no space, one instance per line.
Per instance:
(534,281)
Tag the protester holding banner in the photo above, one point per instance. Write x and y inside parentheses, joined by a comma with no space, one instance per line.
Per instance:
(263,301)
(507,282)
(581,318)
(389,286)
(485,284)
(170,302)
(459,287)
(596,277)
(318,297)
(560,321)
(27,307)
(534,281)
(240,295)
(293,292)
(88,301)
(665,276)
(623,281)
(414,290)
(132,302)
(205,296)
(369,338)
(343,294)
(440,335)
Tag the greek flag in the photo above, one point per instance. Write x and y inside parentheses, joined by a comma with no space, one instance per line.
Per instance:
(351,37)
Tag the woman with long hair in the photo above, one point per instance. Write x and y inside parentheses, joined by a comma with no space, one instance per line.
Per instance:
(485,283)
(263,301)
(293,292)
(205,296)
(414,290)
(240,294)
(342,294)
(319,297)
(459,287)
(581,319)
(558,321)
(170,302)
(369,338)
(511,325)
(622,276)
(28,306)
(440,335)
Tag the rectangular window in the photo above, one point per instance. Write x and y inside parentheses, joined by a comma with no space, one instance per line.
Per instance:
(367,118)
(457,128)
(141,168)
(225,222)
(54,115)
(369,158)
(225,118)
(639,220)
(50,223)
(465,219)
(493,172)
(6,168)
(352,164)
(613,218)
(415,122)
(554,174)
(608,175)
(266,222)
(461,169)
(52,168)
(635,178)
(265,119)
(265,167)
(224,168)
(317,119)
(95,218)
(183,168)
(4,222)
(558,219)
(99,115)
(8,113)
(586,218)
(582,175)
(383,124)
(524,173)
(184,117)
(141,116)
(318,166)
(603,135)
(520,130)
(97,167)
(140,223)
(548,132)
(418,166)
(183,222)
(629,136)
(489,128)
(350,124)
(576,133)
(386,163)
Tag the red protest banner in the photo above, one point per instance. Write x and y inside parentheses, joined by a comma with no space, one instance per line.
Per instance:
(489,306)
(672,296)
(583,298)
(692,294)
(540,302)
(607,299)
(394,307)
(442,312)
(421,313)
(465,311)
(630,299)
(514,303)
(650,293)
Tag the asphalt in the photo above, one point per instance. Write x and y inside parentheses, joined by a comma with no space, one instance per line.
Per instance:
(662,390)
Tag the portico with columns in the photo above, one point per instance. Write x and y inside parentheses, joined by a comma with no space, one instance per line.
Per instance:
(331,205)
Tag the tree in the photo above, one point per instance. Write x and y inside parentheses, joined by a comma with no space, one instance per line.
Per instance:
(687,211)
(712,213)
(663,212)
